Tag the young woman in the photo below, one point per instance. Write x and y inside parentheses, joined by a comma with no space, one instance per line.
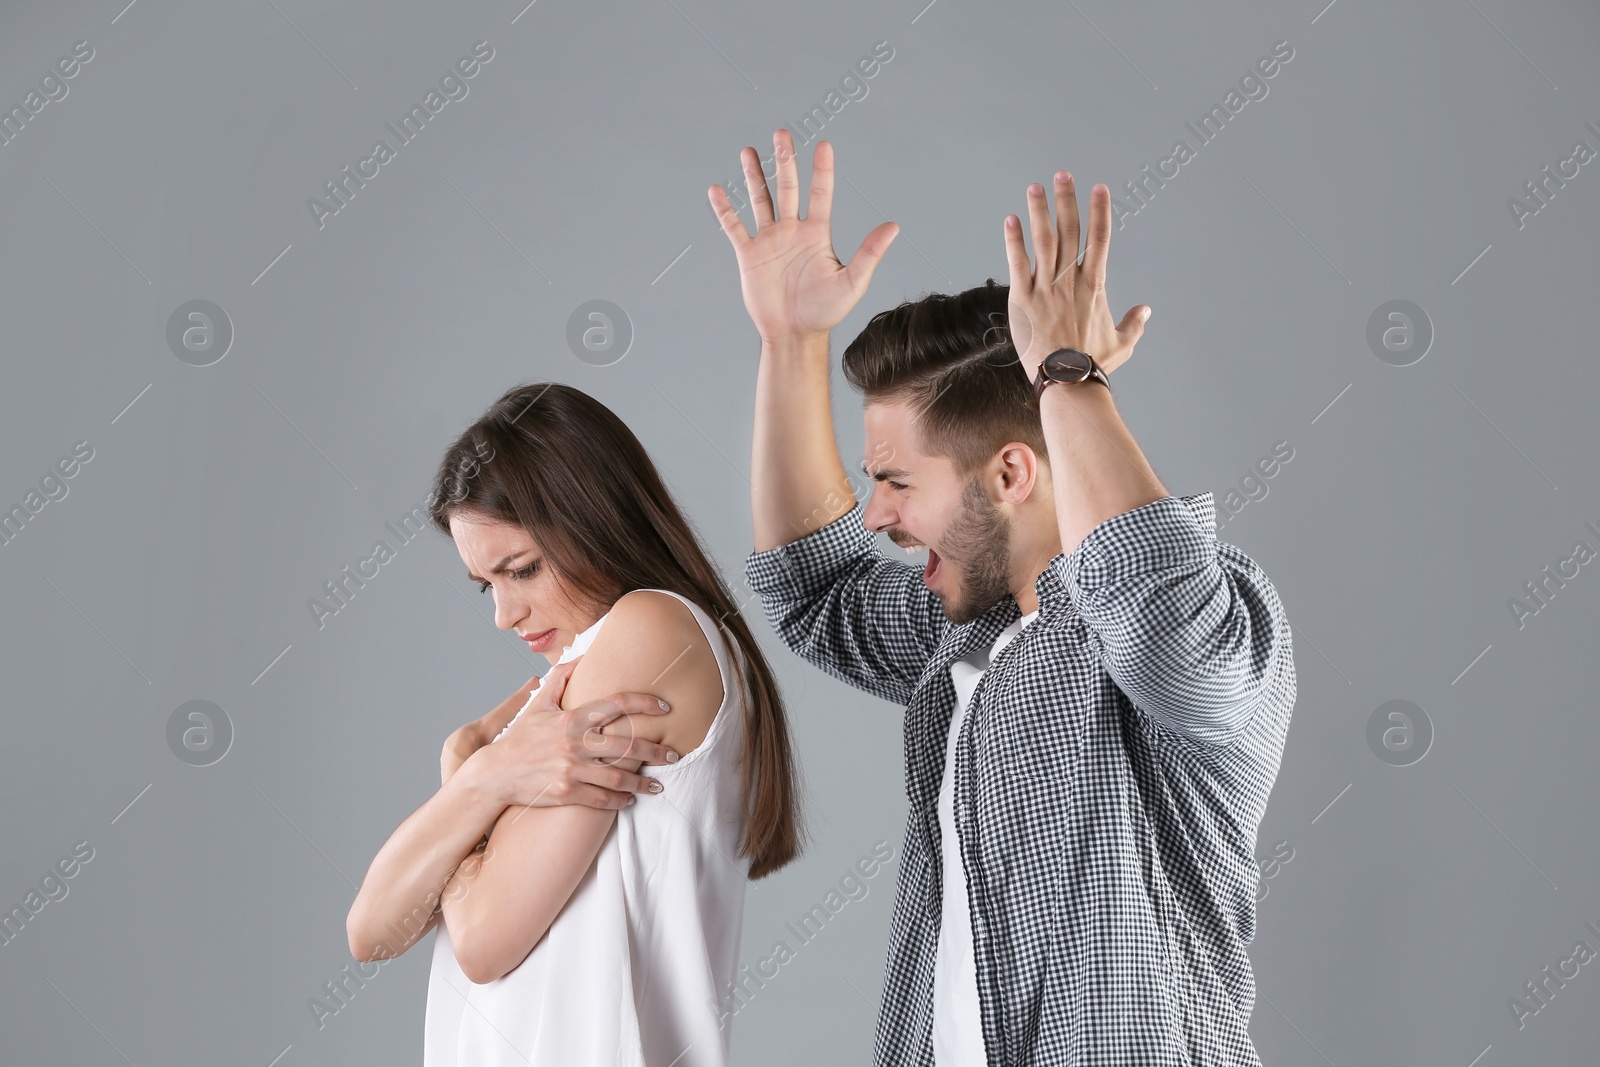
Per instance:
(585,859)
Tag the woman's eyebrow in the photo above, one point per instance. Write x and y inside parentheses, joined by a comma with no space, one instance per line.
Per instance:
(500,568)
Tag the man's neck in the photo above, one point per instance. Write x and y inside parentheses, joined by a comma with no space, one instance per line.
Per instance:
(1027,599)
(1035,541)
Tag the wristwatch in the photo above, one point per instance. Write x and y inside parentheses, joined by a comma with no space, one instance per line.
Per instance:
(1066,365)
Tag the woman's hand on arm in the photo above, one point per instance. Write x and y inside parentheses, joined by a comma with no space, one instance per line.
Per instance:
(553,756)
(374,909)
(466,740)
(500,904)
(585,754)
(459,747)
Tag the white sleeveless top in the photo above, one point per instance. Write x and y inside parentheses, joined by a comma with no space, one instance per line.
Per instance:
(633,971)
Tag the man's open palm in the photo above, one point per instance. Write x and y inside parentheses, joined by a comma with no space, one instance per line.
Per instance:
(793,282)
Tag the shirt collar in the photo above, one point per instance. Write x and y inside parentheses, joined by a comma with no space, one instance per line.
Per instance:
(1050,587)
(981,632)
(1055,603)
(1050,590)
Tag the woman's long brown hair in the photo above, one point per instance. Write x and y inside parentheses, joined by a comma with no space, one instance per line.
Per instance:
(555,461)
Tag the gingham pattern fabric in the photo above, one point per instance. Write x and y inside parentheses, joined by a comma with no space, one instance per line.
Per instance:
(1108,783)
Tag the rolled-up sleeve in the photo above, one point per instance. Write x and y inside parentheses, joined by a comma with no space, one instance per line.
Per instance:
(844,607)
(1191,630)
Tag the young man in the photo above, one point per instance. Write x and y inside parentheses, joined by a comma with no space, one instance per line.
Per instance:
(1097,691)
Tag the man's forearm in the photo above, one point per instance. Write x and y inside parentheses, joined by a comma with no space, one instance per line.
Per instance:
(1097,470)
(403,884)
(798,483)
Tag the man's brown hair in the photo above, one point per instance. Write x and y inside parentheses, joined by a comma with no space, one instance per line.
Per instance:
(951,359)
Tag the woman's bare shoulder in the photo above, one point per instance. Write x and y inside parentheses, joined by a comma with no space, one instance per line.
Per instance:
(651,642)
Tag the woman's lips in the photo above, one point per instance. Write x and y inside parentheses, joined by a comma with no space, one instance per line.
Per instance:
(540,641)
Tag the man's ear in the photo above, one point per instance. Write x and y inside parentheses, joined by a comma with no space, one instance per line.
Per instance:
(1021,469)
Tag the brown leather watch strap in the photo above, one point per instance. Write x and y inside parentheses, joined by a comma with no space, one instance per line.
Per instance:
(1040,380)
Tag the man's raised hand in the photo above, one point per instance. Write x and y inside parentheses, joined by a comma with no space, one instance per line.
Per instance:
(793,283)
(1055,302)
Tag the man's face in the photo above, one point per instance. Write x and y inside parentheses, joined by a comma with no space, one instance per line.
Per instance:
(919,500)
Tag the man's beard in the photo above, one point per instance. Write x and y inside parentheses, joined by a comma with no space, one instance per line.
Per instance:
(979,540)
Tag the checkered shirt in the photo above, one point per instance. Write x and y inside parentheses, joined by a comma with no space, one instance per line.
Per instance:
(1109,780)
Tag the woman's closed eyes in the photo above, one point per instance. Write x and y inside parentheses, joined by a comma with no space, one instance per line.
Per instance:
(524,573)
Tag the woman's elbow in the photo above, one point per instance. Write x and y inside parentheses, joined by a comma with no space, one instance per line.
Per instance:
(478,970)
(368,944)
(487,955)
(481,957)
(362,945)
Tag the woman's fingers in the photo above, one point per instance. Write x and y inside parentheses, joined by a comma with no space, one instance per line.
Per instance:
(595,716)
(554,684)
(617,780)
(603,710)
(599,746)
(593,796)
(607,738)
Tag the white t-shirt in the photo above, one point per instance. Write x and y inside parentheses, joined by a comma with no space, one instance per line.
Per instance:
(957,1025)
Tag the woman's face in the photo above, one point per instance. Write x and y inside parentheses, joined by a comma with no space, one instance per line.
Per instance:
(528,596)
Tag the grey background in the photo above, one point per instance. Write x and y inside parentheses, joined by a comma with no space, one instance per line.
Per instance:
(1419,899)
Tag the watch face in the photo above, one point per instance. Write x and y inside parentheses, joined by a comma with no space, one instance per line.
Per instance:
(1067,365)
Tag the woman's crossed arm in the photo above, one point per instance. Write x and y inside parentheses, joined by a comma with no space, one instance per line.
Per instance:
(552,763)
(503,898)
